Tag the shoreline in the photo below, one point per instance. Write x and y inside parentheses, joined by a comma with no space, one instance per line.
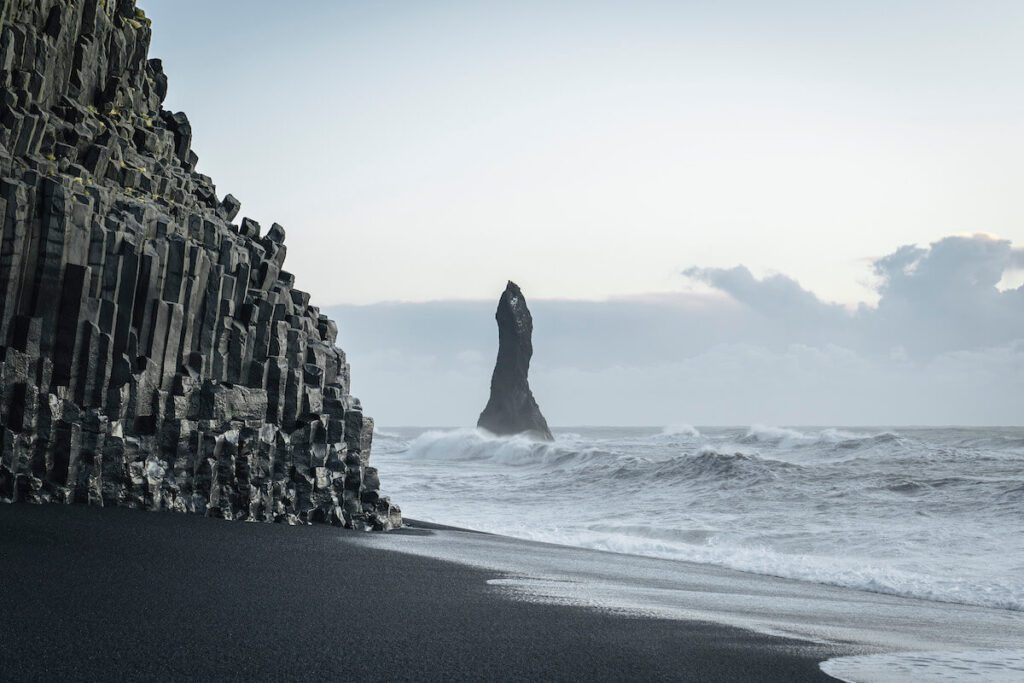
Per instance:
(417,524)
(116,594)
(884,513)
(873,636)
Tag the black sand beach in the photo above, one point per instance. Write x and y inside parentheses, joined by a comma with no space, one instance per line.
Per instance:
(90,594)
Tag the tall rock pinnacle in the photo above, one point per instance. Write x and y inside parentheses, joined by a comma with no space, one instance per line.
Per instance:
(512,408)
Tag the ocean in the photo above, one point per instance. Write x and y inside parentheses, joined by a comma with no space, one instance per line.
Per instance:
(936,514)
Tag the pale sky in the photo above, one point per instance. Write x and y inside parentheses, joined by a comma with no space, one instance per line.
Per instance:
(431,150)
(711,207)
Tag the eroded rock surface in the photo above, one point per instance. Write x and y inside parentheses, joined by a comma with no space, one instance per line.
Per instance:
(153,353)
(511,408)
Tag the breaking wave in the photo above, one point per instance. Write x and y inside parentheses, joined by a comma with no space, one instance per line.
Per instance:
(920,513)
(837,437)
(587,462)
(680,430)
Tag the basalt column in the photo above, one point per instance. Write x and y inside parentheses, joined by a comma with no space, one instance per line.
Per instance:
(154,353)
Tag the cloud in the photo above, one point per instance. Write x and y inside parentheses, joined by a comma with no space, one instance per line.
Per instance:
(931,300)
(946,297)
(787,311)
(943,345)
(773,295)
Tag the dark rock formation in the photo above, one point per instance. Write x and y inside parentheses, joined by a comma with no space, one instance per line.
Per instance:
(511,408)
(152,353)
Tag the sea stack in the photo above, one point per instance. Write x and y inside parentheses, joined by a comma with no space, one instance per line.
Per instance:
(511,408)
(154,353)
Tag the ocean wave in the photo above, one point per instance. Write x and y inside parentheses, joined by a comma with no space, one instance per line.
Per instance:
(588,464)
(773,435)
(831,438)
(912,513)
(996,442)
(722,468)
(681,430)
(850,442)
(906,487)
(473,445)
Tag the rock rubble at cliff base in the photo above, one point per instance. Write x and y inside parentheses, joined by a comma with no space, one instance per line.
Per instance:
(153,353)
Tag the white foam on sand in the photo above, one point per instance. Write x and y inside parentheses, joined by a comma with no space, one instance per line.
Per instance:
(858,621)
(988,666)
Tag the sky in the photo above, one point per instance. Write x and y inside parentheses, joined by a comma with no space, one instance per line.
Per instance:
(721,213)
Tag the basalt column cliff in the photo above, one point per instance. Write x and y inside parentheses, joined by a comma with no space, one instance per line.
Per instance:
(153,353)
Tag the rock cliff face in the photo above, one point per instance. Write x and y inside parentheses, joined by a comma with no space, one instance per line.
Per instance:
(153,352)
(511,408)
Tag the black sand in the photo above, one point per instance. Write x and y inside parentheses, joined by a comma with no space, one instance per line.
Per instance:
(89,594)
